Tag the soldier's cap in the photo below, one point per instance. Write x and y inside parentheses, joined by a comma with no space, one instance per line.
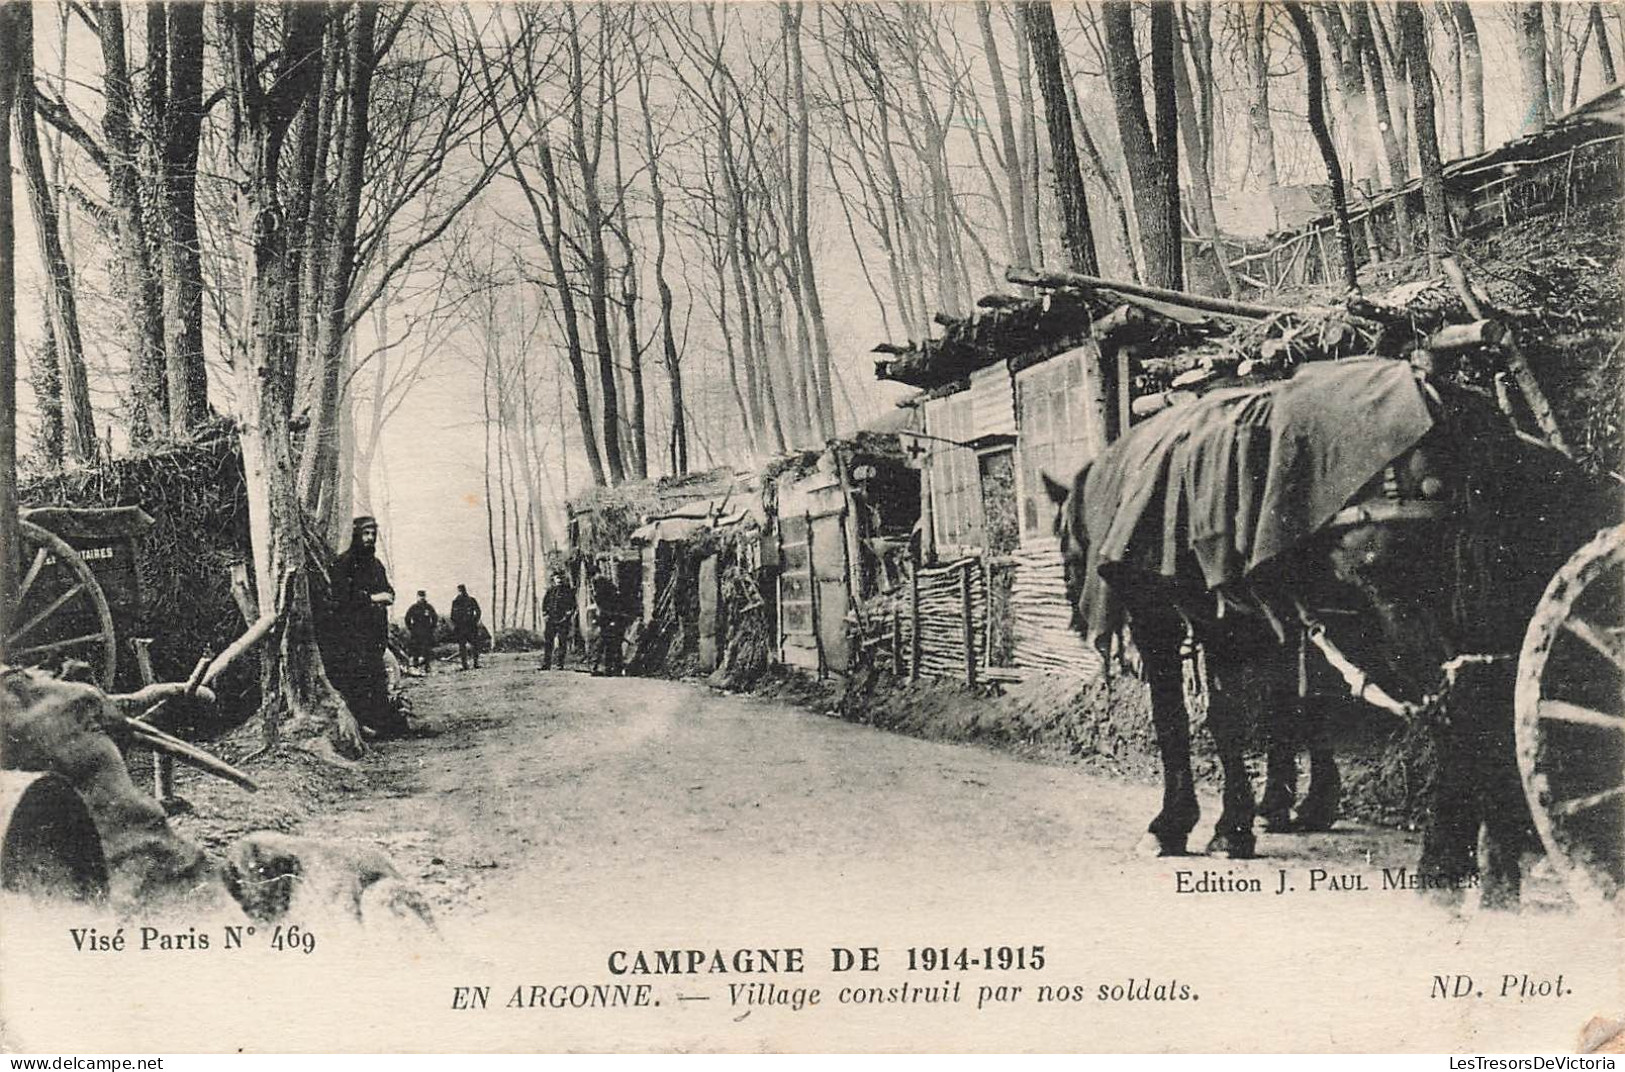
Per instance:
(422,593)
(364,523)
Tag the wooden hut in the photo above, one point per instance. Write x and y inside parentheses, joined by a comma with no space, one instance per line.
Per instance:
(844,517)
(1024,388)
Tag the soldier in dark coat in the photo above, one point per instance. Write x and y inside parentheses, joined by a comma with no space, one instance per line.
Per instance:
(359,632)
(465,626)
(611,625)
(421,619)
(558,607)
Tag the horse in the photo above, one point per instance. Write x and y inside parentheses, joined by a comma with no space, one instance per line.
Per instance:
(1398,521)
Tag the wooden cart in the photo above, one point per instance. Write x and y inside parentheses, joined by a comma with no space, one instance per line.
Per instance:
(78,586)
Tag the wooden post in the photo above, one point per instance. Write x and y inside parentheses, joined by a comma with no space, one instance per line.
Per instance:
(163,766)
(896,640)
(914,619)
(812,600)
(1125,392)
(1517,364)
(965,618)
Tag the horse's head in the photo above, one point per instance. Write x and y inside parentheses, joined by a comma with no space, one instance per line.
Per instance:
(1453,544)
(1074,554)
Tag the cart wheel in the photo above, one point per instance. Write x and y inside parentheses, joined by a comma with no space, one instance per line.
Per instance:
(61,611)
(1570,705)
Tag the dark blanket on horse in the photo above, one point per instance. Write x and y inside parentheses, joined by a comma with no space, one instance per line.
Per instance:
(1241,475)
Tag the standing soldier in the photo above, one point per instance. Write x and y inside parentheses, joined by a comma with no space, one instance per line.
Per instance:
(361,597)
(558,607)
(465,626)
(611,626)
(421,619)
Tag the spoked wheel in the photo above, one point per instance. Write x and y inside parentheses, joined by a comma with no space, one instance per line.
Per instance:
(61,611)
(1570,704)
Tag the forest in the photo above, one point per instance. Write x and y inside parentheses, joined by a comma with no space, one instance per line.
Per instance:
(601,243)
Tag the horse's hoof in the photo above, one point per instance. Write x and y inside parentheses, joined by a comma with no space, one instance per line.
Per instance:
(1159,845)
(1278,822)
(1234,845)
(1314,820)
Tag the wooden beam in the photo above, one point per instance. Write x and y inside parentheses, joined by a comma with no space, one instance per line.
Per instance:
(1226,306)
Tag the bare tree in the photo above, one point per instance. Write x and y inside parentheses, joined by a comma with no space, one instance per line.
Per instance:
(1530,28)
(1472,78)
(64,343)
(11,67)
(1323,136)
(1151,177)
(1078,237)
(180,128)
(1413,35)
(140,282)
(298,698)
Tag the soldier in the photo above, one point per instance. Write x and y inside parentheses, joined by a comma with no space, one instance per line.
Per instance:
(558,607)
(465,626)
(421,619)
(361,597)
(611,625)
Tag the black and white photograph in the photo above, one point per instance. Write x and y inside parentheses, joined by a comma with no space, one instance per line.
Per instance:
(860,526)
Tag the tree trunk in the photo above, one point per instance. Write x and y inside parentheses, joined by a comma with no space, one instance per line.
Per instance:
(1158,241)
(1323,137)
(668,338)
(1531,47)
(1472,78)
(298,698)
(78,431)
(1345,63)
(318,466)
(149,411)
(1166,124)
(1256,47)
(1103,174)
(188,379)
(597,259)
(552,234)
(45,380)
(637,424)
(1020,249)
(1554,58)
(1190,125)
(1413,38)
(1605,54)
(1027,135)
(1393,146)
(10,537)
(802,231)
(1453,87)
(1038,20)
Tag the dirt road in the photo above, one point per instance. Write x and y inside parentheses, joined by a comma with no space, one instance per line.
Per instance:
(582,815)
(561,825)
(565,788)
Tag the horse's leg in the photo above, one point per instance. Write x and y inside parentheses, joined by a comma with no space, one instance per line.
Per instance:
(1158,641)
(1319,808)
(1282,730)
(1450,840)
(1508,828)
(1233,833)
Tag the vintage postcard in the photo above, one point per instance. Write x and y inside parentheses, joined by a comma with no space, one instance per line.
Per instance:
(829,526)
